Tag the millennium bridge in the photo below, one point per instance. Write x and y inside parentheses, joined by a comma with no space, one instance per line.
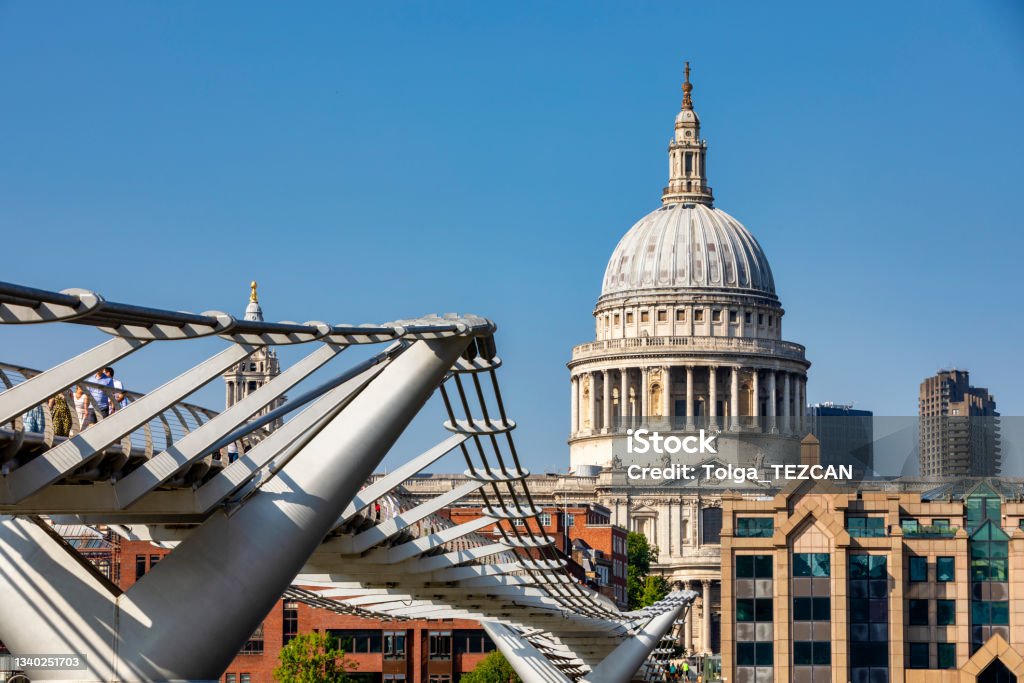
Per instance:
(292,514)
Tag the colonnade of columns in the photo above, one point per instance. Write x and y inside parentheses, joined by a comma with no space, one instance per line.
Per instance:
(629,394)
(703,585)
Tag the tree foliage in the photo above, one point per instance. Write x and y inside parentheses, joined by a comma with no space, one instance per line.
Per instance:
(641,589)
(493,668)
(313,658)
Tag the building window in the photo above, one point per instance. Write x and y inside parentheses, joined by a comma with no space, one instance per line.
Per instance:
(245,678)
(545,519)
(711,525)
(918,568)
(681,315)
(570,520)
(439,678)
(230,678)
(811,564)
(140,566)
(918,656)
(868,527)
(517,521)
(945,568)
(440,645)
(754,615)
(909,526)
(357,641)
(629,317)
(945,612)
(868,589)
(698,315)
(755,527)
(390,678)
(716,315)
(472,642)
(760,318)
(289,622)
(733,317)
(812,653)
(616,318)
(946,655)
(662,316)
(918,612)
(254,646)
(645,317)
(747,317)
(811,609)
(394,644)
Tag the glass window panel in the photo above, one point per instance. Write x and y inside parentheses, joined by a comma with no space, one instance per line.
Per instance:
(979,612)
(745,654)
(822,653)
(763,653)
(918,655)
(879,588)
(763,566)
(763,609)
(946,655)
(918,569)
(744,566)
(859,566)
(801,564)
(945,612)
(859,610)
(802,653)
(802,609)
(877,566)
(997,569)
(744,609)
(945,569)
(858,632)
(1000,612)
(879,610)
(918,612)
(822,607)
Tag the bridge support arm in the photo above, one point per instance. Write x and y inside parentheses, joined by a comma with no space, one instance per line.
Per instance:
(528,662)
(627,658)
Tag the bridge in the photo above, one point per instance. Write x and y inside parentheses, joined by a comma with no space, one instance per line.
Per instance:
(292,515)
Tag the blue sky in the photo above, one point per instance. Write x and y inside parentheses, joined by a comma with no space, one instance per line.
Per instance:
(374,161)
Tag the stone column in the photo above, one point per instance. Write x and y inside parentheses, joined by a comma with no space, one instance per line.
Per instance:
(667,407)
(688,624)
(592,403)
(712,395)
(773,397)
(755,409)
(644,392)
(606,397)
(689,397)
(705,634)
(787,403)
(227,395)
(624,397)
(734,399)
(574,399)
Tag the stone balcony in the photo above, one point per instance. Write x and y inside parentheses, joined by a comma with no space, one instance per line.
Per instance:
(687,345)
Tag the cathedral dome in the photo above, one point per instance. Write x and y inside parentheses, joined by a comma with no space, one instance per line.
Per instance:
(688,245)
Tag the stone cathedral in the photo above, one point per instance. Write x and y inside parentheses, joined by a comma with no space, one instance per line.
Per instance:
(688,334)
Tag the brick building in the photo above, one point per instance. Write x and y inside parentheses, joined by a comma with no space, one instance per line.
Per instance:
(585,534)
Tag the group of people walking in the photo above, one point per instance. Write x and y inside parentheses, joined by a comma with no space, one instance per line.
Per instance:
(91,403)
(681,672)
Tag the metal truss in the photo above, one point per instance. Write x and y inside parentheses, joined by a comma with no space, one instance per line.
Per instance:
(291,515)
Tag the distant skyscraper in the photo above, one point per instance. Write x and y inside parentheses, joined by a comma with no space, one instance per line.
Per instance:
(959,427)
(846,435)
(252,373)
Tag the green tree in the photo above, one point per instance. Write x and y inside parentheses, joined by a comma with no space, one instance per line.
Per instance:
(493,668)
(655,588)
(313,658)
(639,556)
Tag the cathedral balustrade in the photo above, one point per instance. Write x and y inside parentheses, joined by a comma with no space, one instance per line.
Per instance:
(766,347)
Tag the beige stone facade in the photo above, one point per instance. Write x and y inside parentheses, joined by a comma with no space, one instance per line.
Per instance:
(928,590)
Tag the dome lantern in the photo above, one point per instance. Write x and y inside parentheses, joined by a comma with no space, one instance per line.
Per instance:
(687,174)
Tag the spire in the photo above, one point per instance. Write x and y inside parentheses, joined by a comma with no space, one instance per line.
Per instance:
(253,310)
(687,89)
(687,179)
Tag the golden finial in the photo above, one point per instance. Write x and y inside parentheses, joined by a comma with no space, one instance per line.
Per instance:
(252,296)
(687,89)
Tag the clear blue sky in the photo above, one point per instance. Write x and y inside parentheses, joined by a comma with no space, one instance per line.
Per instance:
(370,161)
